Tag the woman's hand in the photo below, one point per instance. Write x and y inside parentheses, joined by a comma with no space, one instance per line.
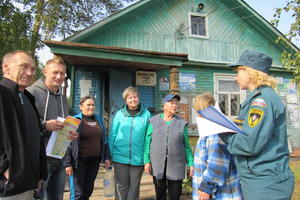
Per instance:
(203,195)
(69,171)
(147,168)
(107,164)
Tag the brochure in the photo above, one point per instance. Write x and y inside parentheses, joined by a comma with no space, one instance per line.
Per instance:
(59,142)
(213,121)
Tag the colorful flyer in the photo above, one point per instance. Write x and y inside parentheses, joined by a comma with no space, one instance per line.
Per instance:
(59,140)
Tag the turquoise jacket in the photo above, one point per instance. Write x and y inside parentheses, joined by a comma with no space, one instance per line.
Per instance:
(127,136)
(261,153)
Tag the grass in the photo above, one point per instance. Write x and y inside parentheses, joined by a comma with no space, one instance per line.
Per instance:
(295,166)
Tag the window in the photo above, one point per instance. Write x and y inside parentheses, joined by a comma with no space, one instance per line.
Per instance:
(198,25)
(228,94)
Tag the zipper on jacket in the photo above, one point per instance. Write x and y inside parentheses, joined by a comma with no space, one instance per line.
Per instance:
(167,141)
(130,144)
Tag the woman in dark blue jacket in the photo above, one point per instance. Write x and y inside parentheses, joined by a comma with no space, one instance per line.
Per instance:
(86,152)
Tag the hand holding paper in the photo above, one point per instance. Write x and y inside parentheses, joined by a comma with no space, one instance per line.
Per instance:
(59,141)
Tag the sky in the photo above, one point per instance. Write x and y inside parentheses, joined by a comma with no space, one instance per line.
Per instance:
(266,8)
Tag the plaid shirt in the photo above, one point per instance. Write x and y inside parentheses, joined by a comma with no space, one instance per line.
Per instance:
(214,170)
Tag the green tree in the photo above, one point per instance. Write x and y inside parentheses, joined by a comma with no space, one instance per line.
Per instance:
(14,28)
(25,23)
(290,58)
(56,18)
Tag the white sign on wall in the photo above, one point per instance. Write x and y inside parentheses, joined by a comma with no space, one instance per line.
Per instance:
(145,78)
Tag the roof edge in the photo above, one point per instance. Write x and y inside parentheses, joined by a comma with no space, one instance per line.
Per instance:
(115,49)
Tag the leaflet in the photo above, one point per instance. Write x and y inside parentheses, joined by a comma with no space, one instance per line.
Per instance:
(59,142)
(213,121)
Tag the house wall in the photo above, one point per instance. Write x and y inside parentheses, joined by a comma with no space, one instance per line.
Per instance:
(164,27)
(88,81)
(286,88)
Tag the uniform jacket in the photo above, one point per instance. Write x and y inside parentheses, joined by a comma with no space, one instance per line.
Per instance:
(14,154)
(261,153)
(50,105)
(71,157)
(214,170)
(127,136)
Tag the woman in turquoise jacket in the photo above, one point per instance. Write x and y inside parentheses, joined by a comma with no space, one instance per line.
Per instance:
(126,143)
(261,152)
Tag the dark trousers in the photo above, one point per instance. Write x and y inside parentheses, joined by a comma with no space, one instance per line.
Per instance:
(84,177)
(127,181)
(161,186)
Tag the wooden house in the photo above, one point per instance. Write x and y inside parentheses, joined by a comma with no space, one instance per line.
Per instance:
(174,45)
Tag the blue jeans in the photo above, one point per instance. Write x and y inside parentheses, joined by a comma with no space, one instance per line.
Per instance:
(55,185)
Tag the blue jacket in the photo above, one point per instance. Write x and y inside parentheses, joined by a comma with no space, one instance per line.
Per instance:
(127,136)
(71,157)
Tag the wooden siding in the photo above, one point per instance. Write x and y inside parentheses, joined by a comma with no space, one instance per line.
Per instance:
(156,29)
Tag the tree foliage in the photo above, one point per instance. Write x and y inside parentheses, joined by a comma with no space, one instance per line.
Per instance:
(25,23)
(290,59)
(31,21)
(14,28)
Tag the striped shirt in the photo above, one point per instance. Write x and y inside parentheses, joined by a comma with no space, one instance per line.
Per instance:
(214,170)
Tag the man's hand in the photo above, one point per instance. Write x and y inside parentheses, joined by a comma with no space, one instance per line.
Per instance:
(69,171)
(54,125)
(73,135)
(6,174)
(147,168)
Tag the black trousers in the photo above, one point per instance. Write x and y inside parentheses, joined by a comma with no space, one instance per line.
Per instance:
(84,177)
(162,185)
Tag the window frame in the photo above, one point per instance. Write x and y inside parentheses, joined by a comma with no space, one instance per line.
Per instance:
(190,14)
(227,77)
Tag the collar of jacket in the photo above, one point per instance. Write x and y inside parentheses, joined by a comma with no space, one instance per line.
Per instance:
(10,84)
(126,113)
(15,87)
(79,116)
(252,95)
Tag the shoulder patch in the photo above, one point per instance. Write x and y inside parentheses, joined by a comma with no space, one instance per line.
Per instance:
(259,103)
(254,117)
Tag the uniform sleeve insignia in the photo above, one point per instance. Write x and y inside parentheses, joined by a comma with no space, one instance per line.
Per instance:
(259,103)
(254,117)
(239,122)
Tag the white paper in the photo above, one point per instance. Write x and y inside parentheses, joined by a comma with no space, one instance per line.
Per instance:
(207,127)
(52,141)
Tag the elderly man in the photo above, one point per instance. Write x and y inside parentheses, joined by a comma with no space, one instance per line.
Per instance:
(51,103)
(22,150)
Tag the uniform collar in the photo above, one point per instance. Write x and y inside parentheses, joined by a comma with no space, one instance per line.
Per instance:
(252,95)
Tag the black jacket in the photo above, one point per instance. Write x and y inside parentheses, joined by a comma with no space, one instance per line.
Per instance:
(14,154)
